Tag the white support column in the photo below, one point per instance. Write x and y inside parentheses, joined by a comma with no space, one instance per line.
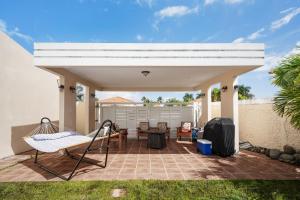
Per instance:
(89,102)
(67,105)
(206,106)
(229,105)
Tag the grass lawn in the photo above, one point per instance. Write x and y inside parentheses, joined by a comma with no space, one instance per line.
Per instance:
(153,189)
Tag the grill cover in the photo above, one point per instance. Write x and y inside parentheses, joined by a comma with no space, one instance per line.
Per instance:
(220,131)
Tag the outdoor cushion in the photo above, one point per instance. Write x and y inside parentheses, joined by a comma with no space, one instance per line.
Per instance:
(53,136)
(52,145)
(186,127)
(57,141)
(144,126)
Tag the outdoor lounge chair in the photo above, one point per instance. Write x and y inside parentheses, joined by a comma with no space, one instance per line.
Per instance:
(163,127)
(185,130)
(143,129)
(46,139)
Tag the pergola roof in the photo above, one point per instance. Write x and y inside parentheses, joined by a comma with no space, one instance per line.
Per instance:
(173,67)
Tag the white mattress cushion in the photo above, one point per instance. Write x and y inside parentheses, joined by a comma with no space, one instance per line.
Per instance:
(56,141)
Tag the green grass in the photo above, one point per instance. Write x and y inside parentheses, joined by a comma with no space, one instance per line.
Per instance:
(153,189)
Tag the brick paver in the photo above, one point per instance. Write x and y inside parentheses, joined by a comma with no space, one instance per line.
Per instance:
(178,161)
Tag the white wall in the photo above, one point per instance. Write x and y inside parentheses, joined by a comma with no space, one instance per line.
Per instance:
(27,94)
(261,126)
(130,116)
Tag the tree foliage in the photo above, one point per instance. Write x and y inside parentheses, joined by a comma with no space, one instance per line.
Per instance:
(79,93)
(188,97)
(216,95)
(287,77)
(244,92)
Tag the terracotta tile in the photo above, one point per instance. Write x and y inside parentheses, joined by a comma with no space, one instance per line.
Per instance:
(177,161)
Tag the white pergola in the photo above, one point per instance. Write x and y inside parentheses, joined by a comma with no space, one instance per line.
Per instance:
(172,67)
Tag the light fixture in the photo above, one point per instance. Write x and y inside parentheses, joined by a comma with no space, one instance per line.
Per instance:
(72,89)
(145,73)
(236,87)
(60,86)
(224,88)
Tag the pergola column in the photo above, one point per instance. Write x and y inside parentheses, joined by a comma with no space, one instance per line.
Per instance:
(89,102)
(67,104)
(229,104)
(206,105)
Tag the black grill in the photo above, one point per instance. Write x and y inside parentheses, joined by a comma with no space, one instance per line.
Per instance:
(220,131)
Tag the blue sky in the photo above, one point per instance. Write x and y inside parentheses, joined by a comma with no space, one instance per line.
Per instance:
(273,22)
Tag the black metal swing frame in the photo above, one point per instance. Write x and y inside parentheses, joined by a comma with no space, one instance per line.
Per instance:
(81,158)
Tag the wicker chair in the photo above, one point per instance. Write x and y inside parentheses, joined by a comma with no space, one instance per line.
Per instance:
(185,130)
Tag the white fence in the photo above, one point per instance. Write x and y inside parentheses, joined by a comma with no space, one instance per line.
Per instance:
(129,115)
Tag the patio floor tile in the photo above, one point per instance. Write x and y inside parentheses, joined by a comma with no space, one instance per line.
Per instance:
(178,161)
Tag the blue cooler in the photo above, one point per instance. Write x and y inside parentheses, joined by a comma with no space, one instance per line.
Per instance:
(204,146)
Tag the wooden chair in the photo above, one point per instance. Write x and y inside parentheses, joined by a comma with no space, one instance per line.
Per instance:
(142,130)
(163,127)
(185,130)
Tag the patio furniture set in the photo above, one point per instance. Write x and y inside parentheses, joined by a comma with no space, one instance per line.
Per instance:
(47,139)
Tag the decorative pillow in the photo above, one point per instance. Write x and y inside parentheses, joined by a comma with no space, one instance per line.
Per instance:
(162,126)
(144,126)
(186,127)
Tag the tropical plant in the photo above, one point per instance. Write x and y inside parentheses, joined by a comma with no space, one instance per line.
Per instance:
(79,93)
(173,100)
(145,100)
(244,92)
(287,77)
(188,97)
(159,99)
(216,95)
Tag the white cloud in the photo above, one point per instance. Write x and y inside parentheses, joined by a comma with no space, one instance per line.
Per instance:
(252,36)
(209,2)
(256,34)
(272,60)
(139,37)
(173,11)
(287,10)
(176,11)
(149,3)
(285,20)
(3,26)
(14,32)
(239,40)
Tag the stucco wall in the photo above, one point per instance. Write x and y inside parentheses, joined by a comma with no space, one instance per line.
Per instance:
(28,93)
(80,114)
(261,126)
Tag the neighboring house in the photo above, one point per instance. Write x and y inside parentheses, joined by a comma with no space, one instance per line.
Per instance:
(115,100)
(28,93)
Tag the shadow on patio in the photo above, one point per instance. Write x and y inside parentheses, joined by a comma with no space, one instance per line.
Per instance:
(177,161)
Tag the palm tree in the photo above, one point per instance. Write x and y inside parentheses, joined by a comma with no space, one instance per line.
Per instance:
(159,99)
(216,95)
(173,100)
(187,98)
(287,77)
(79,92)
(244,92)
(145,100)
